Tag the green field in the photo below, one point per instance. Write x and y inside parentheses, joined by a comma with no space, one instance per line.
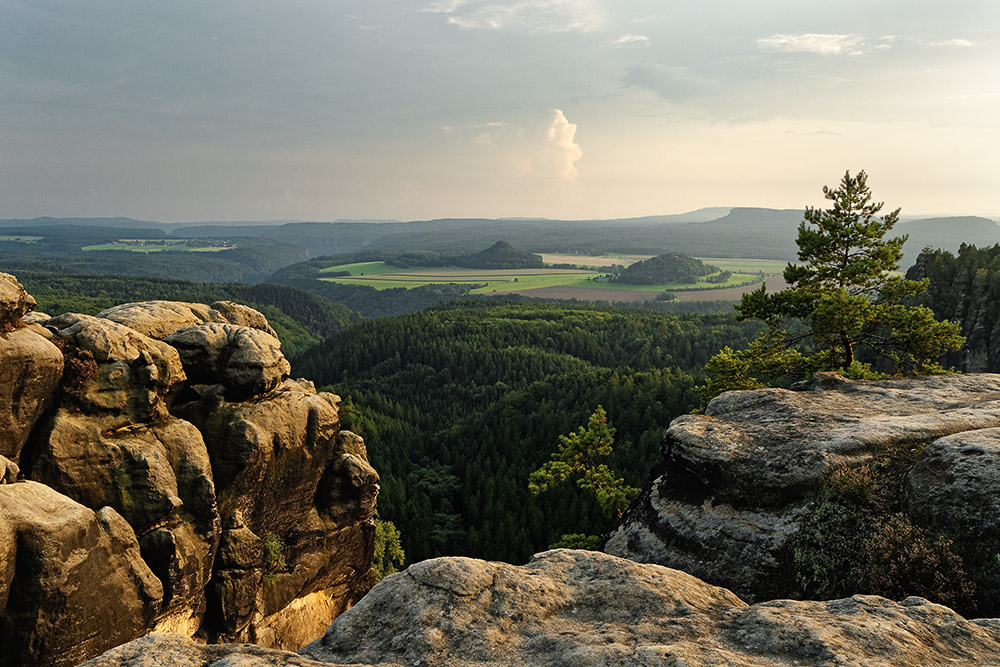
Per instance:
(768,266)
(385,276)
(592,260)
(155,246)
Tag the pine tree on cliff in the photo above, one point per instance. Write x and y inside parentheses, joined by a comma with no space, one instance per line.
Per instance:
(845,293)
(577,456)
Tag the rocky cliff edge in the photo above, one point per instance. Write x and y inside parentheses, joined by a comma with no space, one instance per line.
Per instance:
(833,488)
(159,471)
(587,608)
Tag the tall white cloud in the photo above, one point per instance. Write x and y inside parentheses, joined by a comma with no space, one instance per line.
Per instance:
(559,153)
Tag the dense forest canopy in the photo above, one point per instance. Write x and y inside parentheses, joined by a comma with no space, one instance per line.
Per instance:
(461,402)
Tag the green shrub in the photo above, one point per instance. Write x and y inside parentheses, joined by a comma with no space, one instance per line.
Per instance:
(274,556)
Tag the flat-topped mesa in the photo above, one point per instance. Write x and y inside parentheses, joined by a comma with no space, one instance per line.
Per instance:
(587,608)
(742,482)
(248,505)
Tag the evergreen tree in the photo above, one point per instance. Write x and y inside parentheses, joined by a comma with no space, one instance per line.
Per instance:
(576,455)
(846,294)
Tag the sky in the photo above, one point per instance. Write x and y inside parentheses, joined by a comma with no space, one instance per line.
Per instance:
(185,110)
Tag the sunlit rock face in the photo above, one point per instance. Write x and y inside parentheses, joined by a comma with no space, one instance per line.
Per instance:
(740,483)
(199,487)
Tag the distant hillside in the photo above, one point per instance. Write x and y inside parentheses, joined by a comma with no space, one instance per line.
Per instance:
(946,234)
(671,267)
(501,255)
(738,232)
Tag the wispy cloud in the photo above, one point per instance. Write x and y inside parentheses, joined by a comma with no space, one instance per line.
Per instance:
(630,40)
(961,43)
(533,16)
(813,43)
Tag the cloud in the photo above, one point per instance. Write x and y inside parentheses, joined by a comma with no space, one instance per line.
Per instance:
(631,40)
(962,43)
(532,16)
(559,151)
(813,43)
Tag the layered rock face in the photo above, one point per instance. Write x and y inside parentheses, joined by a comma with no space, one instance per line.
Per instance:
(744,487)
(179,481)
(587,608)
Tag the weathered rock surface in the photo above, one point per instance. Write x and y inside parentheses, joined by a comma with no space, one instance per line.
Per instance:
(14,302)
(159,319)
(956,483)
(105,440)
(587,608)
(244,316)
(244,360)
(738,480)
(157,650)
(282,463)
(116,370)
(30,368)
(62,565)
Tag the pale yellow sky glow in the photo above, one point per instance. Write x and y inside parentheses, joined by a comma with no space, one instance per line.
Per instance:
(477,108)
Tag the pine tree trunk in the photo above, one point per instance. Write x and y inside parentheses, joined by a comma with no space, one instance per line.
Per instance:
(848,350)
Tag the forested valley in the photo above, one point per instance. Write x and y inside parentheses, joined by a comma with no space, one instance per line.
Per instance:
(461,402)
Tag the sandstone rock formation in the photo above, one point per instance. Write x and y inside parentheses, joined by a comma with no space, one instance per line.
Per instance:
(587,608)
(30,368)
(15,303)
(70,578)
(232,504)
(742,482)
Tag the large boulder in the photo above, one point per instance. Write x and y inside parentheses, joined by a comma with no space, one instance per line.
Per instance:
(30,369)
(244,360)
(159,319)
(244,316)
(114,370)
(157,476)
(72,582)
(15,303)
(741,483)
(587,608)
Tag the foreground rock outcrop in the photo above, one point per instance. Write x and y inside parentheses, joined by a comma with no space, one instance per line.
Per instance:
(159,471)
(587,608)
(778,493)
